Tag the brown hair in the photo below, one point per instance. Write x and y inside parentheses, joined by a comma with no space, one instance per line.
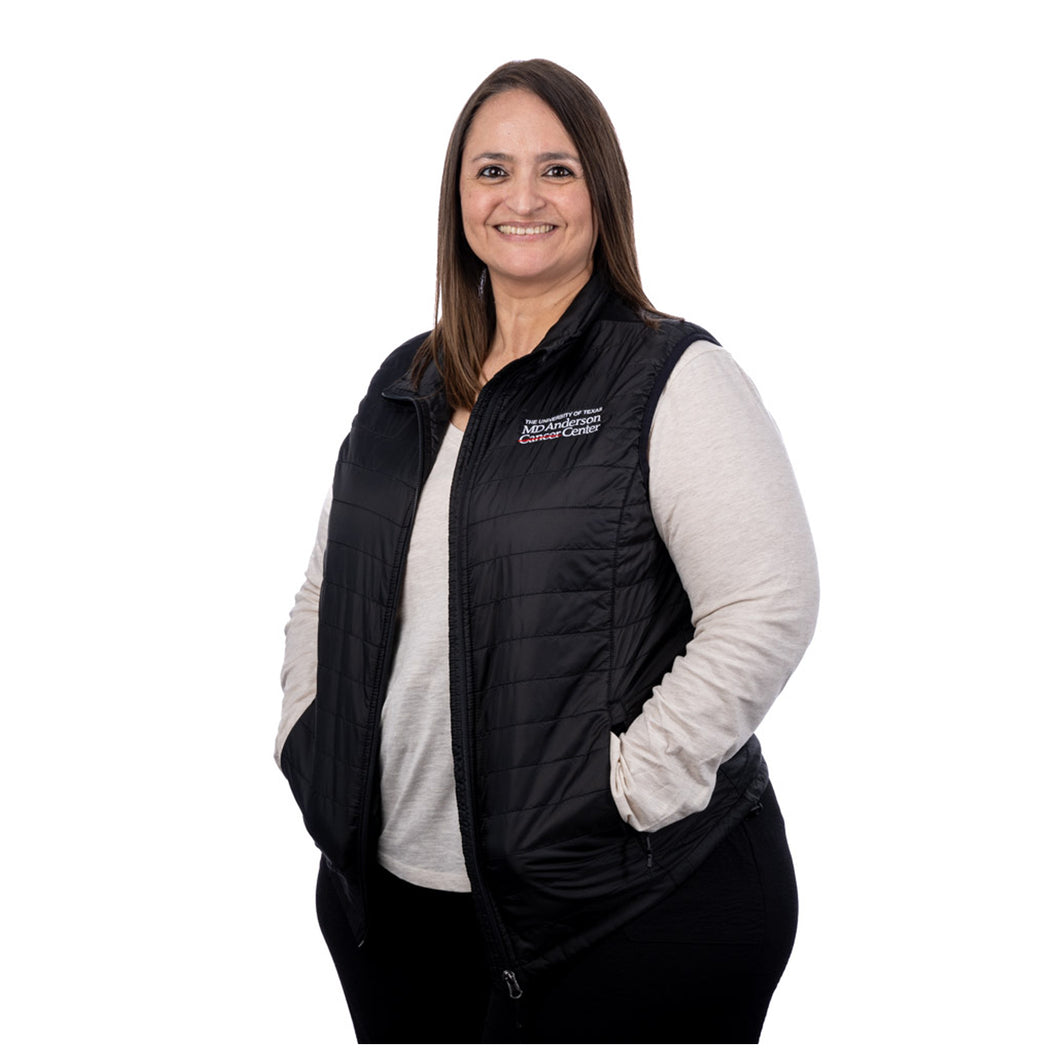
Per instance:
(463,306)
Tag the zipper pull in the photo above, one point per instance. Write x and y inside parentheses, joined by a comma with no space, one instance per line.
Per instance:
(651,857)
(515,991)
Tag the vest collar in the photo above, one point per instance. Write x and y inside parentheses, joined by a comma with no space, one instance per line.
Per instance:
(586,307)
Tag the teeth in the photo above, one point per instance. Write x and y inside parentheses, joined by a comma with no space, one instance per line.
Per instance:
(519,230)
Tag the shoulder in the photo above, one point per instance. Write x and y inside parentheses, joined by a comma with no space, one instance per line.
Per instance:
(681,335)
(705,366)
(400,360)
(655,328)
(670,343)
(393,377)
(665,341)
(708,394)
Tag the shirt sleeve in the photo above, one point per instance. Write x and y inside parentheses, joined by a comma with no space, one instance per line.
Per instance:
(298,676)
(726,505)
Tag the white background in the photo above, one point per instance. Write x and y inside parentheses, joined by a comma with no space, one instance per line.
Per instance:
(218,217)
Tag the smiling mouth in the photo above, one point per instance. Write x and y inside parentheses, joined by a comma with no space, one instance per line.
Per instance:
(524,230)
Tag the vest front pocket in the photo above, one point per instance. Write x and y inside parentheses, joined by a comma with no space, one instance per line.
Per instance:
(569,836)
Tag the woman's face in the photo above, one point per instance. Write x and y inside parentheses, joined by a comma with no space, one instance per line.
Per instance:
(526,208)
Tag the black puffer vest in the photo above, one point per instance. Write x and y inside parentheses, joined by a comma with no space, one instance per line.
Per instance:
(565,612)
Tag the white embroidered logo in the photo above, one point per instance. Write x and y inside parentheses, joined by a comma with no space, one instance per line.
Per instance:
(565,425)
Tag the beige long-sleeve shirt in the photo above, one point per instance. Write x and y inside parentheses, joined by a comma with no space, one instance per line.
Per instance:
(726,505)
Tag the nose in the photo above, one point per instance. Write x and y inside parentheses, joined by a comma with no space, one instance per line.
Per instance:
(524,195)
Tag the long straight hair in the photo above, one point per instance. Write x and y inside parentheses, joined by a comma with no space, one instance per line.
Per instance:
(464,314)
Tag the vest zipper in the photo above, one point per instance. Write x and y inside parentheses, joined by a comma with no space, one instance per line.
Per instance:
(482,417)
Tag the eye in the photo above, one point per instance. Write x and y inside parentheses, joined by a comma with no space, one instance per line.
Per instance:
(492,172)
(559,171)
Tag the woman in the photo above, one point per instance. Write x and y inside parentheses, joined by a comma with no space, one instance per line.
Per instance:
(564,572)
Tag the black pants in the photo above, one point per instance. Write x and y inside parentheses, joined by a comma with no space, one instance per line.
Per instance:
(698,967)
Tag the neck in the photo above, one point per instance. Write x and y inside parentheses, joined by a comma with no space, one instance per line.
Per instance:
(525,316)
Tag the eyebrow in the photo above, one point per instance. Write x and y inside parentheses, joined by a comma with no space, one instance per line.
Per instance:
(547,156)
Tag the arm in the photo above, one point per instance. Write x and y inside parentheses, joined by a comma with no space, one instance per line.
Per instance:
(299,674)
(727,507)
